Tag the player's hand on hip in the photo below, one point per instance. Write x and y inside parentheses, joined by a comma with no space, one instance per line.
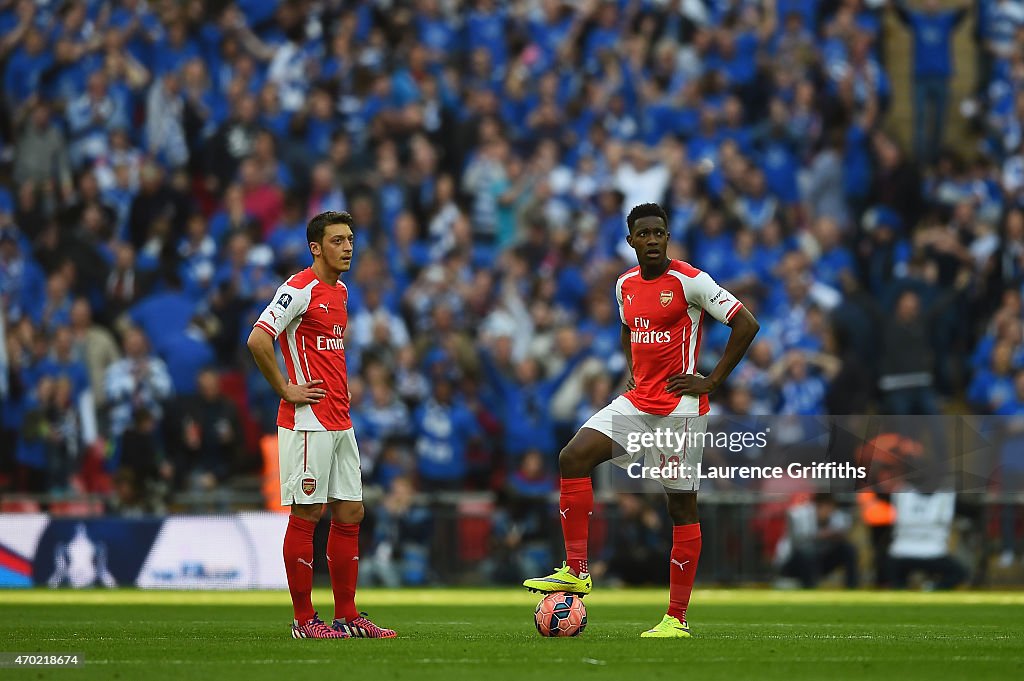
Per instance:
(689,384)
(306,393)
(630,384)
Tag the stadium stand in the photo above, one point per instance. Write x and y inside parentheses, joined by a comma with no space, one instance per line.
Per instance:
(160,160)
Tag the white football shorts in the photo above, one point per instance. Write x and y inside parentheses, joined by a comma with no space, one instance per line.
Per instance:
(318,466)
(667,442)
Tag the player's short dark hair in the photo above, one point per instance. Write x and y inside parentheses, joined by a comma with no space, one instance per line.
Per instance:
(645,210)
(319,224)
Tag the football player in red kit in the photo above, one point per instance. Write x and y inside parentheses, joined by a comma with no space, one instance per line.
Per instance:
(319,457)
(662,305)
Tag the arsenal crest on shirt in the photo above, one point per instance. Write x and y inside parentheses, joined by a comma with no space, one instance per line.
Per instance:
(666,298)
(308,486)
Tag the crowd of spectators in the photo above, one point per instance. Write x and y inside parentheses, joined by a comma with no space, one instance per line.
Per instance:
(162,158)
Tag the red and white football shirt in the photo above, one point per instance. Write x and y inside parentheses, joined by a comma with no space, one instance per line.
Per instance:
(664,317)
(308,318)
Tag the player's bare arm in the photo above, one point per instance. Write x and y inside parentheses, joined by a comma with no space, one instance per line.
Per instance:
(627,350)
(261,345)
(744,328)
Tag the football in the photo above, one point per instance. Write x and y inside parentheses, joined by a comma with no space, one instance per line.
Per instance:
(560,614)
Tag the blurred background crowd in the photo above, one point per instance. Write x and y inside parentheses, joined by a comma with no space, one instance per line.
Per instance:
(160,160)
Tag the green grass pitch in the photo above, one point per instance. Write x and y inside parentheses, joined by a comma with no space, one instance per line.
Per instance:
(455,634)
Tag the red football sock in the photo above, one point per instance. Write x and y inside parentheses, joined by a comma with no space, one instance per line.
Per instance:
(343,562)
(575,505)
(298,565)
(683,568)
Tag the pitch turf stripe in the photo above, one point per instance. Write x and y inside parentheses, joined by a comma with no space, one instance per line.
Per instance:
(549,660)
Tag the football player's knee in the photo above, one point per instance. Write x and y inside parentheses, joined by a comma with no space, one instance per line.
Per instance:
(352,512)
(571,459)
(682,508)
(309,512)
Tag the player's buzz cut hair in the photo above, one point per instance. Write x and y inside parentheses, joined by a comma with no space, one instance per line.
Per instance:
(645,210)
(319,224)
